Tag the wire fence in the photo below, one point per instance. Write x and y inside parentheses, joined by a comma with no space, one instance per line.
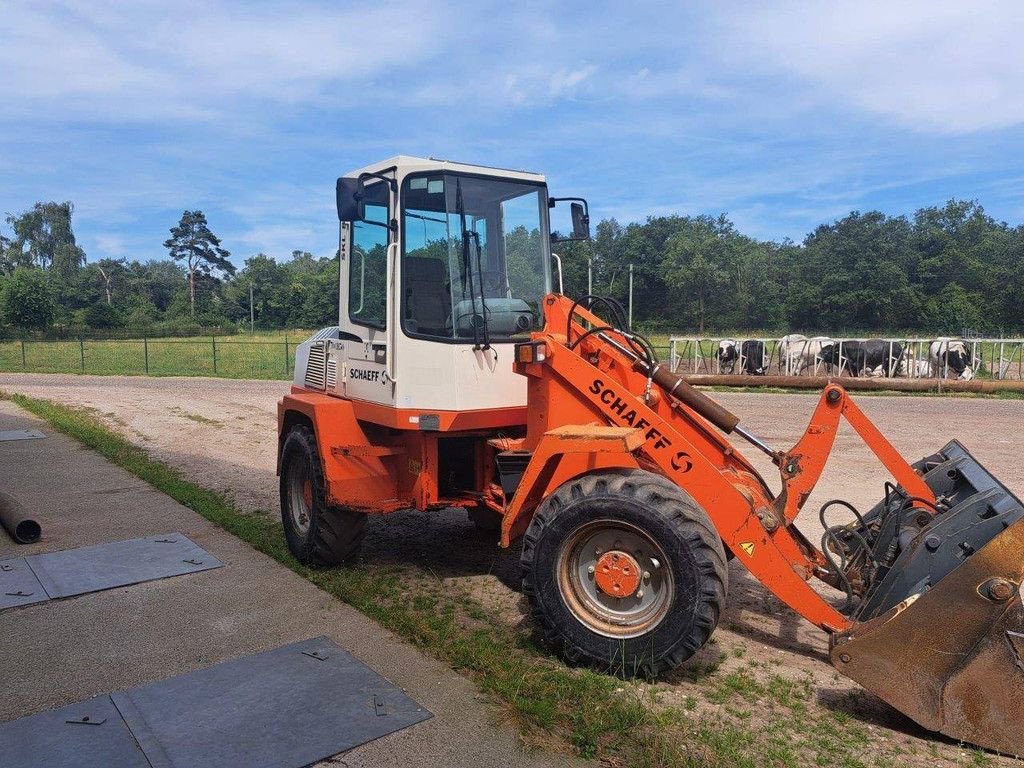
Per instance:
(212,356)
(910,358)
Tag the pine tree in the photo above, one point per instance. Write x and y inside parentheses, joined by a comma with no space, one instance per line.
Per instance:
(192,241)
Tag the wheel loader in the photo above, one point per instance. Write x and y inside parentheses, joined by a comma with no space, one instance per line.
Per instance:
(459,375)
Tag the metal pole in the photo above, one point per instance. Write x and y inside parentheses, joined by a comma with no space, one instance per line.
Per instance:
(287,359)
(630,295)
(145,351)
(252,312)
(590,276)
(213,339)
(81,351)
(23,363)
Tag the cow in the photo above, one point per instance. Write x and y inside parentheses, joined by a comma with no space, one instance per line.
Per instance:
(949,355)
(860,357)
(790,347)
(727,355)
(844,355)
(753,360)
(917,369)
(750,354)
(797,353)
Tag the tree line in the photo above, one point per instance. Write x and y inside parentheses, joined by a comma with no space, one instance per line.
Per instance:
(944,269)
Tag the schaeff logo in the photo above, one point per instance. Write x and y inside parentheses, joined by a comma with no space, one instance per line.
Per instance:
(680,461)
(364,374)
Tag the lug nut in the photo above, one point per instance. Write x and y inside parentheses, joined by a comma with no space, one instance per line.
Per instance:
(590,570)
(647,575)
(639,594)
(932,542)
(845,658)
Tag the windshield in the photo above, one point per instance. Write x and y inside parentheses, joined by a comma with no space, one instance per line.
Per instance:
(475,258)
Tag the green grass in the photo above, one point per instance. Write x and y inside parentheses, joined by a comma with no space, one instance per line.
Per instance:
(263,356)
(761,718)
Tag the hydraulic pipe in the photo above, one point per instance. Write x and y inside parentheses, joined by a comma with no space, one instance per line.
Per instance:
(22,528)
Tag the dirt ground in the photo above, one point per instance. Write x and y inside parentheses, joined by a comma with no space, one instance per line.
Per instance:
(222,433)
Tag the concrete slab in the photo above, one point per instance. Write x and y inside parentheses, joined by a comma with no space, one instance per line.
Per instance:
(59,652)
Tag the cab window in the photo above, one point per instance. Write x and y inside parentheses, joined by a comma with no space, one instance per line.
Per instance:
(367,273)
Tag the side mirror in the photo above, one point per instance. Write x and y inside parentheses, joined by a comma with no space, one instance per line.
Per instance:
(349,193)
(580,221)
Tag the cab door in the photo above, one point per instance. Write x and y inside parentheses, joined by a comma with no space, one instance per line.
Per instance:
(366,306)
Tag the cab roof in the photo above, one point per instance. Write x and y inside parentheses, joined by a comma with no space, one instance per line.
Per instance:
(405,164)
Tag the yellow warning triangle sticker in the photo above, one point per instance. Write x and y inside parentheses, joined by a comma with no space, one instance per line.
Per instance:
(748,547)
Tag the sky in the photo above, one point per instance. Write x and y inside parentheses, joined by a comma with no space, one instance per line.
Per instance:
(782,115)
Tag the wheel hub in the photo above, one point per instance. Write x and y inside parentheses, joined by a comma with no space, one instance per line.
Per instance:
(617,574)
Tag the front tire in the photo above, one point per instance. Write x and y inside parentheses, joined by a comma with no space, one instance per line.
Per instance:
(624,572)
(318,534)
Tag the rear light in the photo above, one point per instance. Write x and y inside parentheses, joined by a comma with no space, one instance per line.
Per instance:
(533,352)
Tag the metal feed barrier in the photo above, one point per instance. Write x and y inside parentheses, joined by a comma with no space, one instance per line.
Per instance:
(992,359)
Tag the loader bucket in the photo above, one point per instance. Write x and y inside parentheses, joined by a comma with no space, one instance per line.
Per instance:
(941,630)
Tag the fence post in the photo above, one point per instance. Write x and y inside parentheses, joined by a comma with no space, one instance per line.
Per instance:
(81,351)
(213,339)
(287,357)
(145,352)
(23,363)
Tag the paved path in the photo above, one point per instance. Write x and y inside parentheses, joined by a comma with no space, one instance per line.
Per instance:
(64,651)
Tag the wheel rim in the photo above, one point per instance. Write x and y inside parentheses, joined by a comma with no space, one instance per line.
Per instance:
(615,578)
(300,496)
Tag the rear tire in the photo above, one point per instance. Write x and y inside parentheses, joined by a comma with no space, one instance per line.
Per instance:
(317,534)
(647,525)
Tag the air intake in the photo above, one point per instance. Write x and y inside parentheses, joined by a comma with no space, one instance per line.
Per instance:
(316,366)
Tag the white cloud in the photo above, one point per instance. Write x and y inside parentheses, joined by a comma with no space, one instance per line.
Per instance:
(929,65)
(566,81)
(153,60)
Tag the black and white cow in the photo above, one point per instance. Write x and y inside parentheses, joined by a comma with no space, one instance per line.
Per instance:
(951,355)
(864,357)
(750,354)
(727,355)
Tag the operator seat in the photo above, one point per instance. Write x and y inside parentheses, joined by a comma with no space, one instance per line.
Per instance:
(427,297)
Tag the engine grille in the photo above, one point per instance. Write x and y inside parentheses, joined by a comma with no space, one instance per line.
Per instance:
(316,366)
(332,374)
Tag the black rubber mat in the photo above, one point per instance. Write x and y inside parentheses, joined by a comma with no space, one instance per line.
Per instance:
(20,434)
(90,734)
(19,585)
(284,708)
(25,580)
(105,566)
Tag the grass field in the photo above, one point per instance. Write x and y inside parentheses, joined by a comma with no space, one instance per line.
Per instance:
(261,356)
(268,355)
